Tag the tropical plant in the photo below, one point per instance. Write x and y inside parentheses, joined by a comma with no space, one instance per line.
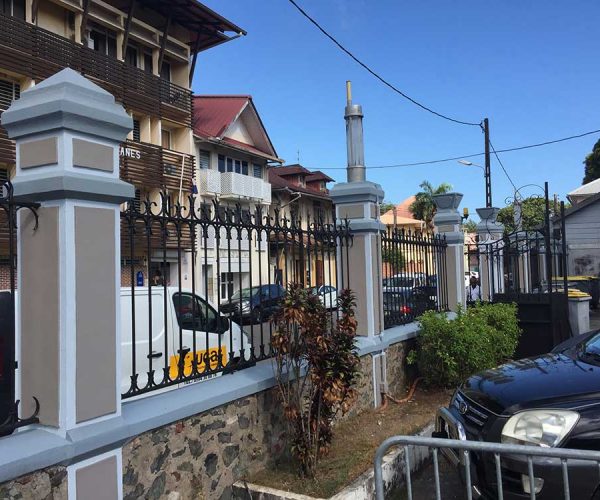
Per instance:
(450,350)
(469,226)
(423,208)
(592,164)
(385,206)
(393,256)
(316,366)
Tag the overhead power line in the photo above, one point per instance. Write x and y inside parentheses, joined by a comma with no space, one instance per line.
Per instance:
(375,74)
(474,155)
(502,165)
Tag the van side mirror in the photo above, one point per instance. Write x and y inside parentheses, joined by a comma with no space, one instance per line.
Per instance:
(223,324)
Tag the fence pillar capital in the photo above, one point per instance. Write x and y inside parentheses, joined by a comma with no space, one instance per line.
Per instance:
(488,228)
(447,223)
(358,204)
(67,132)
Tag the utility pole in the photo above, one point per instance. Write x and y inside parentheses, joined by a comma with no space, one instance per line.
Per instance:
(488,171)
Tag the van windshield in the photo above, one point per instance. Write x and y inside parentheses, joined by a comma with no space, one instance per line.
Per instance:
(245,293)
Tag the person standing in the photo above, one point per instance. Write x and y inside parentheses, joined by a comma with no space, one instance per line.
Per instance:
(473,291)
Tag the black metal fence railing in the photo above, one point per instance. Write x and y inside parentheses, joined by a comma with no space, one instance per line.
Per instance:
(414,275)
(524,262)
(9,405)
(201,286)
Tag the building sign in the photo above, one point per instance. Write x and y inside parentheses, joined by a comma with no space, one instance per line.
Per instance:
(139,278)
(130,153)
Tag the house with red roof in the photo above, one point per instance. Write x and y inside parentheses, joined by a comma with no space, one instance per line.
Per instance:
(233,153)
(301,196)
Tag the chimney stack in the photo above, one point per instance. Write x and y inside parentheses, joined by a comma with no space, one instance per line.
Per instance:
(354,138)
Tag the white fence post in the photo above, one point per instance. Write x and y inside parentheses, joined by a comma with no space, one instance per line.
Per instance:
(447,222)
(67,132)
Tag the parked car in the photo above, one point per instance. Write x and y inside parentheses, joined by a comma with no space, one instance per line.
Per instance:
(422,298)
(255,304)
(402,283)
(327,295)
(550,401)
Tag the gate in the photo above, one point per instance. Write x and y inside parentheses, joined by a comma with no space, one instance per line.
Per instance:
(9,405)
(529,268)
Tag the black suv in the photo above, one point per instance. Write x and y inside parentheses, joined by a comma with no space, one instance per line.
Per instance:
(551,401)
(254,305)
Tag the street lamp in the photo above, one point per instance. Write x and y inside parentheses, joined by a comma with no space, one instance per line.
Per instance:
(488,180)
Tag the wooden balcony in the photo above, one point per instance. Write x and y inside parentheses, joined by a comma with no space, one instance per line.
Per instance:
(37,53)
(152,167)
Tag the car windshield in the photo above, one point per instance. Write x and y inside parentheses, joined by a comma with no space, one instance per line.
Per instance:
(401,281)
(590,351)
(245,293)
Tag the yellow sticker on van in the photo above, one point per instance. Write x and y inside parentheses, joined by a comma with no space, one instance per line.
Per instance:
(210,357)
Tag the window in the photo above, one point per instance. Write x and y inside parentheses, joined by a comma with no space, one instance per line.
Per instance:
(148,63)
(318,212)
(238,166)
(9,91)
(165,71)
(221,163)
(165,138)
(103,41)
(137,200)
(229,165)
(136,131)
(294,213)
(194,313)
(257,170)
(15,8)
(245,167)
(3,175)
(204,159)
(226,285)
(131,56)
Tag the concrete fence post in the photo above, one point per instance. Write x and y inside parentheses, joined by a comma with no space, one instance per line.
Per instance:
(491,261)
(447,223)
(67,132)
(358,203)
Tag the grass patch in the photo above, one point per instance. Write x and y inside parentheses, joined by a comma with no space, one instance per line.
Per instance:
(354,444)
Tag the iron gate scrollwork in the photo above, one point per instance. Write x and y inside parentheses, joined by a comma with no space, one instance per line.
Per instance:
(9,405)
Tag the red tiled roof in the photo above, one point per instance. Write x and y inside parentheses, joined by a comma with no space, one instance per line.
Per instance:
(279,181)
(213,114)
(317,175)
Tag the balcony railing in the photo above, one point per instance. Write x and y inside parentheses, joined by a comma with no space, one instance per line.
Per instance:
(153,167)
(233,185)
(38,53)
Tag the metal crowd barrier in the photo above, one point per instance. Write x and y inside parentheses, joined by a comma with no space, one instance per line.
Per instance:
(464,450)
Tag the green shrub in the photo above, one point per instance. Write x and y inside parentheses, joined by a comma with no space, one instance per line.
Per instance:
(449,351)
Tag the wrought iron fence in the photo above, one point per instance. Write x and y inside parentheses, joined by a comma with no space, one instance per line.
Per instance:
(9,405)
(532,261)
(202,285)
(414,275)
(496,470)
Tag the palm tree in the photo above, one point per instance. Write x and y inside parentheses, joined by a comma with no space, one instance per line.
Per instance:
(423,208)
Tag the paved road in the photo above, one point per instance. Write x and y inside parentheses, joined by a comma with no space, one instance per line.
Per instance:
(423,484)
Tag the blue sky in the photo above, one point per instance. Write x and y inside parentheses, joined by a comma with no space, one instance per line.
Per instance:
(530,67)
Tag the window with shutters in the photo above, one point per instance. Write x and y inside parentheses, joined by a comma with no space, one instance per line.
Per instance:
(9,91)
(204,159)
(137,200)
(257,170)
(137,134)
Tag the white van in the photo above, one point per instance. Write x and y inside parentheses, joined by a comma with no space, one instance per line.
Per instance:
(185,324)
(173,325)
